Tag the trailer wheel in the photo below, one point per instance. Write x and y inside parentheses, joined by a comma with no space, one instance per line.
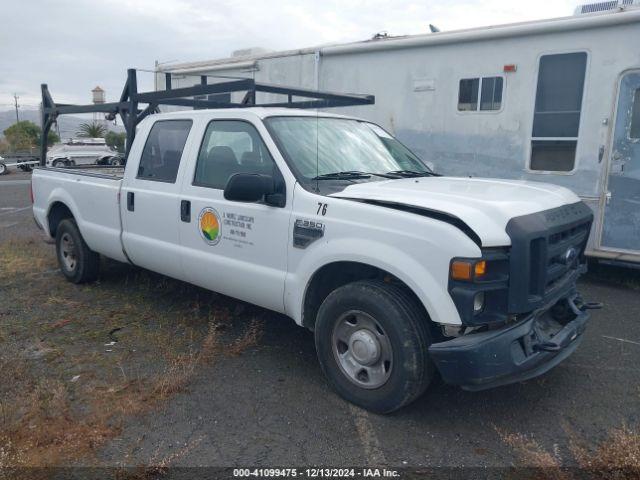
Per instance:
(3,169)
(77,261)
(372,342)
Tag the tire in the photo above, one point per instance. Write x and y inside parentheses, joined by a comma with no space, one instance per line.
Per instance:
(3,169)
(398,321)
(59,163)
(77,262)
(116,161)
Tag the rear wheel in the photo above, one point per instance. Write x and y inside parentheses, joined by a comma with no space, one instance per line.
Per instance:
(372,342)
(59,163)
(116,161)
(77,261)
(3,169)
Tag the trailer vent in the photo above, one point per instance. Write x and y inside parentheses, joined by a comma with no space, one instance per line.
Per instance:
(605,6)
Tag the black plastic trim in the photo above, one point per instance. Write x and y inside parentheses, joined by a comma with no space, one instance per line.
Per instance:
(532,253)
(514,353)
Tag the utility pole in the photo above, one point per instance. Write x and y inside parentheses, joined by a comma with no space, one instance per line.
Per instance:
(15,101)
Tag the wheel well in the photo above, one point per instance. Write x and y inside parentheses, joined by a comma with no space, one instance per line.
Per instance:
(337,274)
(59,211)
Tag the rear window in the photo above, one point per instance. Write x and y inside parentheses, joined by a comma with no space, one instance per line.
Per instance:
(162,152)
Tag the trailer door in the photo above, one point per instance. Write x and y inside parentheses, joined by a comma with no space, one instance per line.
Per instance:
(621,226)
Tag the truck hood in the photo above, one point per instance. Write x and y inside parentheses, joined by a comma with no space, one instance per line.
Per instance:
(485,205)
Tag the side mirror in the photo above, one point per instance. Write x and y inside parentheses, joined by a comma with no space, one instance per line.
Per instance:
(252,187)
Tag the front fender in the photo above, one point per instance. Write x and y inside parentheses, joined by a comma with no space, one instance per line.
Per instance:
(425,283)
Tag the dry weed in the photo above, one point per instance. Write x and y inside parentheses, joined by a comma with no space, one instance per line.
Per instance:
(248,339)
(617,457)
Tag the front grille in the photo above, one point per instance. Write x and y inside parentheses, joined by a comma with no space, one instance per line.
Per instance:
(547,249)
(558,244)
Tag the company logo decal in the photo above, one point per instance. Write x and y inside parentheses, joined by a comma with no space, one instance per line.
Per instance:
(209,225)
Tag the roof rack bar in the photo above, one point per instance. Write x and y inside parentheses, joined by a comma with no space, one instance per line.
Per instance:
(195,96)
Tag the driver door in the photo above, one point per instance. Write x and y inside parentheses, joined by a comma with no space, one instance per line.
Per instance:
(234,248)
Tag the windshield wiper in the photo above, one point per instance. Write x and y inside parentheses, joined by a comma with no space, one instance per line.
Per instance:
(411,173)
(349,174)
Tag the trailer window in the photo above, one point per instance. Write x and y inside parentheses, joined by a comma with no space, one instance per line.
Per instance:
(557,111)
(491,93)
(487,89)
(163,149)
(468,94)
(230,147)
(634,131)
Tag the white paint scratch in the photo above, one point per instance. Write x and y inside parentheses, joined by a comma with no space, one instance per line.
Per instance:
(624,340)
(15,211)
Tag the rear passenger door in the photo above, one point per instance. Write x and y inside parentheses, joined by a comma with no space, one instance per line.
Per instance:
(150,201)
(235,248)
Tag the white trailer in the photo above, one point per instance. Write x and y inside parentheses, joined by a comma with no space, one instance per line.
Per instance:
(555,100)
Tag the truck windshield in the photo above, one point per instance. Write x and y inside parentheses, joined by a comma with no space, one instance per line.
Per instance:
(336,148)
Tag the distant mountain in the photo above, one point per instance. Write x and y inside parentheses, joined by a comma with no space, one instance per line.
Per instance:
(68,124)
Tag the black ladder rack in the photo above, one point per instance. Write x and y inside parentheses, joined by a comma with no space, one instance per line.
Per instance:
(130,100)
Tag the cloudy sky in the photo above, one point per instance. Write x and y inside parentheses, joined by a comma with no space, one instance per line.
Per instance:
(74,45)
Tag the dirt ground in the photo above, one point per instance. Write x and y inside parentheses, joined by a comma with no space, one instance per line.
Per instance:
(145,372)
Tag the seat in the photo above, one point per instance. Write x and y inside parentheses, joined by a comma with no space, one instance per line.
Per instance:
(218,166)
(250,163)
(170,163)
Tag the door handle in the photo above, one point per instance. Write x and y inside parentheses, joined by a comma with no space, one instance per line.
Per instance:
(131,202)
(185,211)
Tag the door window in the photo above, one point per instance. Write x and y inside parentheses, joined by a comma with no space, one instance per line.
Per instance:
(557,111)
(230,147)
(634,129)
(162,152)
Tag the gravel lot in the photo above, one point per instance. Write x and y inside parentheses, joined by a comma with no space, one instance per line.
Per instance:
(262,400)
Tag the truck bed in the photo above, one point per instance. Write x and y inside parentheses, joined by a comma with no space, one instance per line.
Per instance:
(93,197)
(99,171)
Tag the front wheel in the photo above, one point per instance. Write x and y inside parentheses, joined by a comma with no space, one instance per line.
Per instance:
(77,261)
(372,342)
(3,169)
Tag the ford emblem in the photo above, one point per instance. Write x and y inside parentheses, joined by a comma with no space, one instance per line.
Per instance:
(569,256)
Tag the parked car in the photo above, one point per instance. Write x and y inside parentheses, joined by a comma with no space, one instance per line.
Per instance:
(82,151)
(330,220)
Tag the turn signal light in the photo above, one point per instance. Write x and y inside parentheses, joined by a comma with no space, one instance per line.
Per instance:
(461,270)
(468,270)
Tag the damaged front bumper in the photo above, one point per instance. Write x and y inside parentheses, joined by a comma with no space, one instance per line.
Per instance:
(516,352)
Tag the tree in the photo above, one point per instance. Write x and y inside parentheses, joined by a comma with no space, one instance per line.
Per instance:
(92,130)
(26,135)
(116,140)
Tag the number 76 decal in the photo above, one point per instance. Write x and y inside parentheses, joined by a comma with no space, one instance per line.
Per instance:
(322,209)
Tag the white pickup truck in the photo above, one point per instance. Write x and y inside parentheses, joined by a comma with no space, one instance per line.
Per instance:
(330,220)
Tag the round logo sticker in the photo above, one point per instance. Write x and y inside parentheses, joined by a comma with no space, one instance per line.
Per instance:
(209,225)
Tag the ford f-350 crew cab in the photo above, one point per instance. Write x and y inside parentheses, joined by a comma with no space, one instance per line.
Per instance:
(330,220)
